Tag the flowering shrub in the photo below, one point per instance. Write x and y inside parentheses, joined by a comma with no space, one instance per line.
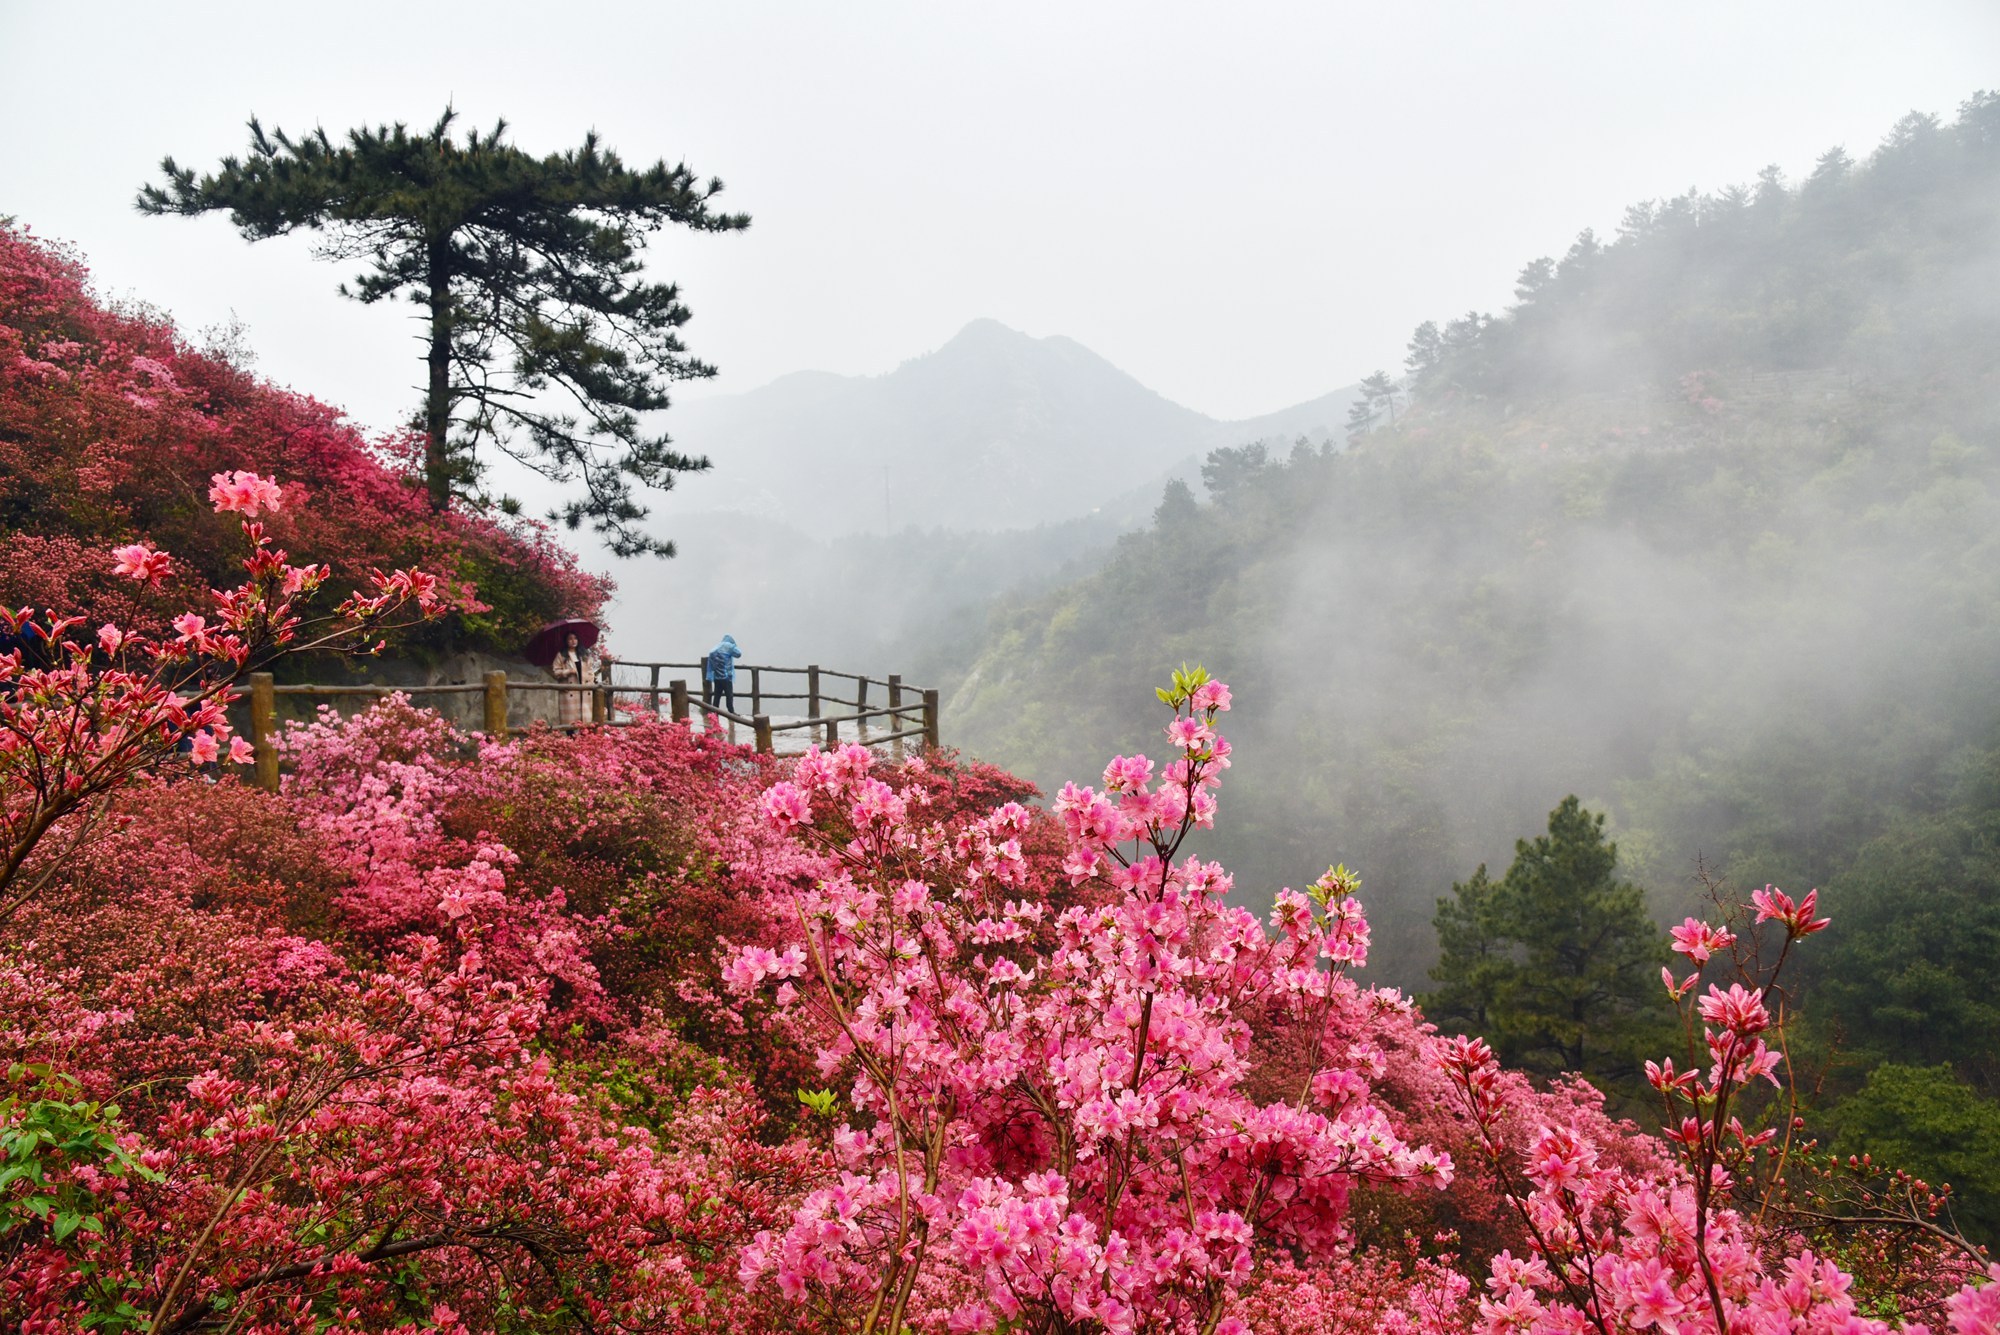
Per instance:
(1057,1136)
(326,1144)
(592,861)
(391,1119)
(102,709)
(1614,1250)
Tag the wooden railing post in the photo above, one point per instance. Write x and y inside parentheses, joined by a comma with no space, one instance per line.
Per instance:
(931,717)
(861,708)
(264,728)
(896,717)
(812,698)
(677,696)
(496,705)
(756,691)
(653,692)
(599,703)
(832,732)
(762,723)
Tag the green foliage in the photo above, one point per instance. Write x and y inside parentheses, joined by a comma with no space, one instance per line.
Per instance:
(1913,974)
(1378,396)
(1927,1122)
(530,271)
(46,1134)
(1556,965)
(1473,961)
(1186,681)
(41,1140)
(1177,505)
(1229,469)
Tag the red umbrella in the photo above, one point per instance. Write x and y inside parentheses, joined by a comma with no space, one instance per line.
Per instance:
(549,640)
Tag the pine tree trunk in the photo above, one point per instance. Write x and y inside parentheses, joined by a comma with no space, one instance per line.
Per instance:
(437,402)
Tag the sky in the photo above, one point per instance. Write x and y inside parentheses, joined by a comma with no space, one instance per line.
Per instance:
(1244,205)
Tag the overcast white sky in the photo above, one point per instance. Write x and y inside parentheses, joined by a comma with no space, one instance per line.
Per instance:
(1243,205)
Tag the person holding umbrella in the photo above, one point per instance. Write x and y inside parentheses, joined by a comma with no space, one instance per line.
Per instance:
(563,647)
(573,663)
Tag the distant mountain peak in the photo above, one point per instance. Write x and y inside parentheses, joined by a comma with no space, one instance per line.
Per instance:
(986,328)
(984,337)
(994,429)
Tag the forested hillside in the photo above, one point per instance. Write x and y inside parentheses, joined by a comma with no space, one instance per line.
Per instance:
(1702,530)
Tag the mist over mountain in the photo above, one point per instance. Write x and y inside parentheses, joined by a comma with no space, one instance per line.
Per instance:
(995,430)
(865,521)
(1702,529)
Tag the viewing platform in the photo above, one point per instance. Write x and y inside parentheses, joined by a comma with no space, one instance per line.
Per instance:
(810,708)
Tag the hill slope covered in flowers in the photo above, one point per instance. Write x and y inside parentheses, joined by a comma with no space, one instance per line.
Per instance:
(111,425)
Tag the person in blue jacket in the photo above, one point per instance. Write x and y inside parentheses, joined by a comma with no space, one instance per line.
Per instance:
(718,674)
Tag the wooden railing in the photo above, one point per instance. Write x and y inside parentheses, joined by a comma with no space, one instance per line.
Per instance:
(911,711)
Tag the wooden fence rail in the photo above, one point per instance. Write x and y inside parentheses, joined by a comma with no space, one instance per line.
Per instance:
(911,711)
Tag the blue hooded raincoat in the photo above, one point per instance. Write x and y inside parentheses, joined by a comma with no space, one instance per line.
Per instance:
(720,665)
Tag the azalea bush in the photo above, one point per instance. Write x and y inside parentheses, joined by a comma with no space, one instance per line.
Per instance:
(327,1144)
(1056,1135)
(342,1069)
(88,712)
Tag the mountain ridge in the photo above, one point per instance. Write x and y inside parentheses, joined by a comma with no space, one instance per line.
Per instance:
(994,429)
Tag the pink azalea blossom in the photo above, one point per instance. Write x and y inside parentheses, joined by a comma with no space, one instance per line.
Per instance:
(143,562)
(1211,695)
(1774,904)
(1739,1010)
(1697,940)
(245,493)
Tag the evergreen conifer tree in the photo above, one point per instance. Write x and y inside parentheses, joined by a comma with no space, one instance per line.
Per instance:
(543,339)
(1378,395)
(1556,964)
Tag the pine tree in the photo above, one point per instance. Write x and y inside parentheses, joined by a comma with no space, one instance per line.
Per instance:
(1360,415)
(1557,964)
(1381,392)
(1471,959)
(1378,395)
(1231,467)
(1177,506)
(1426,351)
(544,339)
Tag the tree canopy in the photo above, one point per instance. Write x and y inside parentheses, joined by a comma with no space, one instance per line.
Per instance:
(1554,964)
(1926,1121)
(1857,267)
(1917,976)
(544,338)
